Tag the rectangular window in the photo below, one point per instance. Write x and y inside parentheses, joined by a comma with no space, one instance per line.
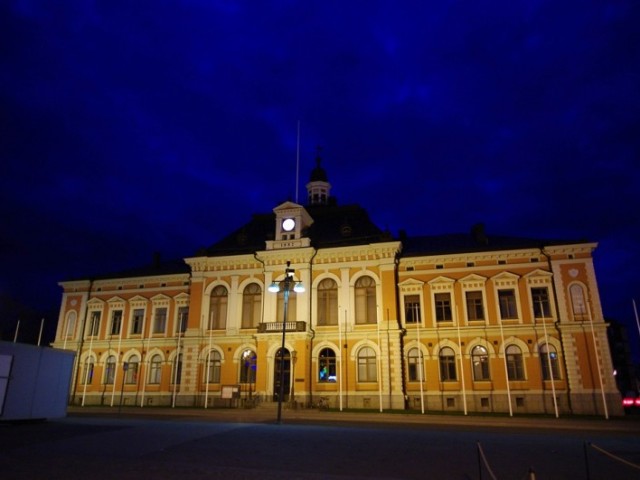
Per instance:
(508,307)
(183,317)
(116,322)
(443,307)
(160,320)
(412,308)
(137,320)
(541,305)
(475,308)
(94,324)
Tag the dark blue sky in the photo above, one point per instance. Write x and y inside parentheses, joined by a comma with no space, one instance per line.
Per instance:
(126,130)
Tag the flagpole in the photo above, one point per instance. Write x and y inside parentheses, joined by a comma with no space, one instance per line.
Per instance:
(297,161)
(595,351)
(635,310)
(546,342)
(84,392)
(379,361)
(208,360)
(15,336)
(340,357)
(40,334)
(113,392)
(146,371)
(175,377)
(421,365)
(457,317)
(506,369)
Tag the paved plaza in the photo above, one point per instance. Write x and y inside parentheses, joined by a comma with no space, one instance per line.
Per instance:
(103,443)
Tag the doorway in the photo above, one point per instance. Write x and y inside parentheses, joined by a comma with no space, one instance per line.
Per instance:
(282,369)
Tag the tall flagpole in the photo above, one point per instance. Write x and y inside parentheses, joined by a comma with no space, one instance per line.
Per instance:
(40,334)
(297,161)
(457,316)
(146,371)
(546,342)
(84,391)
(340,356)
(208,359)
(113,392)
(506,369)
(421,365)
(595,351)
(379,361)
(175,377)
(635,310)
(15,336)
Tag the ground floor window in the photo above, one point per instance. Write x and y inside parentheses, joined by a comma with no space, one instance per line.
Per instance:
(327,366)
(367,369)
(447,364)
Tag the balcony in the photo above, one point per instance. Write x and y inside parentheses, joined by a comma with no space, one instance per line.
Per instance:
(276,327)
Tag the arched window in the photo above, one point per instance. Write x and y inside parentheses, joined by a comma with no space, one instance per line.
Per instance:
(131,375)
(327,371)
(365,296)
(71,324)
(218,308)
(367,368)
(87,374)
(480,363)
(578,303)
(547,357)
(155,369)
(328,302)
(248,364)
(515,365)
(110,370)
(212,372)
(415,366)
(251,305)
(447,364)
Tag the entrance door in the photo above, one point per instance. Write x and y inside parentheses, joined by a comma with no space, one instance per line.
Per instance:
(282,370)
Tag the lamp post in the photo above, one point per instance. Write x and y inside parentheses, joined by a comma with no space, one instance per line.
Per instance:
(287,284)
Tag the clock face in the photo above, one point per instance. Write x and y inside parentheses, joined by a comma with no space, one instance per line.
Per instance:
(288,224)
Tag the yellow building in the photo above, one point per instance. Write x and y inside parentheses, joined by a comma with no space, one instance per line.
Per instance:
(471,322)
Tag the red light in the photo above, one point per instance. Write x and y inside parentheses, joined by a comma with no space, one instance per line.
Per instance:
(637,402)
(628,402)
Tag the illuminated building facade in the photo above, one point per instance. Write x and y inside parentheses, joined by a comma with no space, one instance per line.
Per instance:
(464,322)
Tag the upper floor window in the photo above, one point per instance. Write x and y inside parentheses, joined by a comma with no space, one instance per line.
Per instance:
(578,303)
(508,305)
(218,308)
(137,320)
(541,304)
(94,324)
(116,322)
(251,305)
(365,296)
(328,302)
(160,320)
(183,319)
(327,365)
(71,324)
(475,307)
(367,368)
(412,309)
(443,306)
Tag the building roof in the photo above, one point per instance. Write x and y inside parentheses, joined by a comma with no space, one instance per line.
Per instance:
(333,226)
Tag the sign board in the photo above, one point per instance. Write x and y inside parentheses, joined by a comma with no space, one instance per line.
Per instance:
(230,391)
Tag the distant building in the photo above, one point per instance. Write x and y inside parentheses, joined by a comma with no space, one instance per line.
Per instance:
(462,322)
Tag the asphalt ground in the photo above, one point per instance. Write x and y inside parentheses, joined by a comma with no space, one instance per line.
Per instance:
(141,443)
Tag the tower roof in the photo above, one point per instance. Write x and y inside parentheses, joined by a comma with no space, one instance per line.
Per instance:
(318,174)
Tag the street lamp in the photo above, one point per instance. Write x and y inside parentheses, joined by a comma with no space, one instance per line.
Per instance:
(298,287)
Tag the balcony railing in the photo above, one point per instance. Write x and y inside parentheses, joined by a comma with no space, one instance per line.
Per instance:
(276,327)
